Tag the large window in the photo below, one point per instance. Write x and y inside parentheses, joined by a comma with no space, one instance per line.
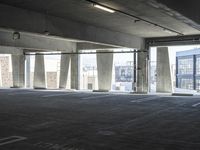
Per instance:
(185,65)
(198,65)
(185,83)
(122,79)
(88,72)
(198,84)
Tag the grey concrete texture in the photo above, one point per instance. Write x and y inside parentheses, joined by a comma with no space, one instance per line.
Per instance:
(18,70)
(92,46)
(28,71)
(104,70)
(64,70)
(10,50)
(142,71)
(39,81)
(191,15)
(34,22)
(164,76)
(33,41)
(75,71)
(61,120)
(147,9)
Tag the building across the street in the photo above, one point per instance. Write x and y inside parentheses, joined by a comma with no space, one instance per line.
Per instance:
(188,69)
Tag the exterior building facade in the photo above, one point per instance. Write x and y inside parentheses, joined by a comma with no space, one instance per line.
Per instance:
(188,69)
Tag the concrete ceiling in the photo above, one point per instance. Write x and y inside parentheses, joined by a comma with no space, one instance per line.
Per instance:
(188,8)
(83,11)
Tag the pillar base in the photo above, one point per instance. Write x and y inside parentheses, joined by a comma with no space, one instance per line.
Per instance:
(16,87)
(138,93)
(100,90)
(68,90)
(182,94)
(39,88)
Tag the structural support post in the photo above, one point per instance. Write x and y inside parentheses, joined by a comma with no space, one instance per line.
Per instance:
(164,77)
(142,73)
(75,74)
(39,73)
(0,76)
(18,65)
(104,68)
(28,71)
(64,70)
(134,71)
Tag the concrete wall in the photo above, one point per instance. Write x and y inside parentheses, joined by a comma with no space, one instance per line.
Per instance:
(6,72)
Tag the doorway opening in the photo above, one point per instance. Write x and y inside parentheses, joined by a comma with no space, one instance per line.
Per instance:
(184,68)
(123,71)
(88,71)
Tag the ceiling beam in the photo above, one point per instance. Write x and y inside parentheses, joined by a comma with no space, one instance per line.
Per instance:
(173,41)
(10,50)
(35,42)
(29,21)
(91,46)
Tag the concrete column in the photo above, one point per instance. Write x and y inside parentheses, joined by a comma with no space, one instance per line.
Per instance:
(28,71)
(104,68)
(0,77)
(142,73)
(18,67)
(164,77)
(64,70)
(134,87)
(39,73)
(75,74)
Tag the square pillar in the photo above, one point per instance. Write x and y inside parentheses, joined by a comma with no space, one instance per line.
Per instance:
(134,85)
(164,77)
(0,76)
(64,70)
(39,73)
(142,72)
(75,71)
(18,71)
(28,70)
(104,69)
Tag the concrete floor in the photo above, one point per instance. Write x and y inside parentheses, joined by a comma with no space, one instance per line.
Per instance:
(59,120)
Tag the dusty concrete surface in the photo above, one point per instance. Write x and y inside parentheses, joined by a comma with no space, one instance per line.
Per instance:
(60,120)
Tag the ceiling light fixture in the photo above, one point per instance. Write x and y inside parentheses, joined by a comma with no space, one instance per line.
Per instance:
(104,8)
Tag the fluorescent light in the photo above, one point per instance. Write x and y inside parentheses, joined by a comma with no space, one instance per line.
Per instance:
(104,8)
